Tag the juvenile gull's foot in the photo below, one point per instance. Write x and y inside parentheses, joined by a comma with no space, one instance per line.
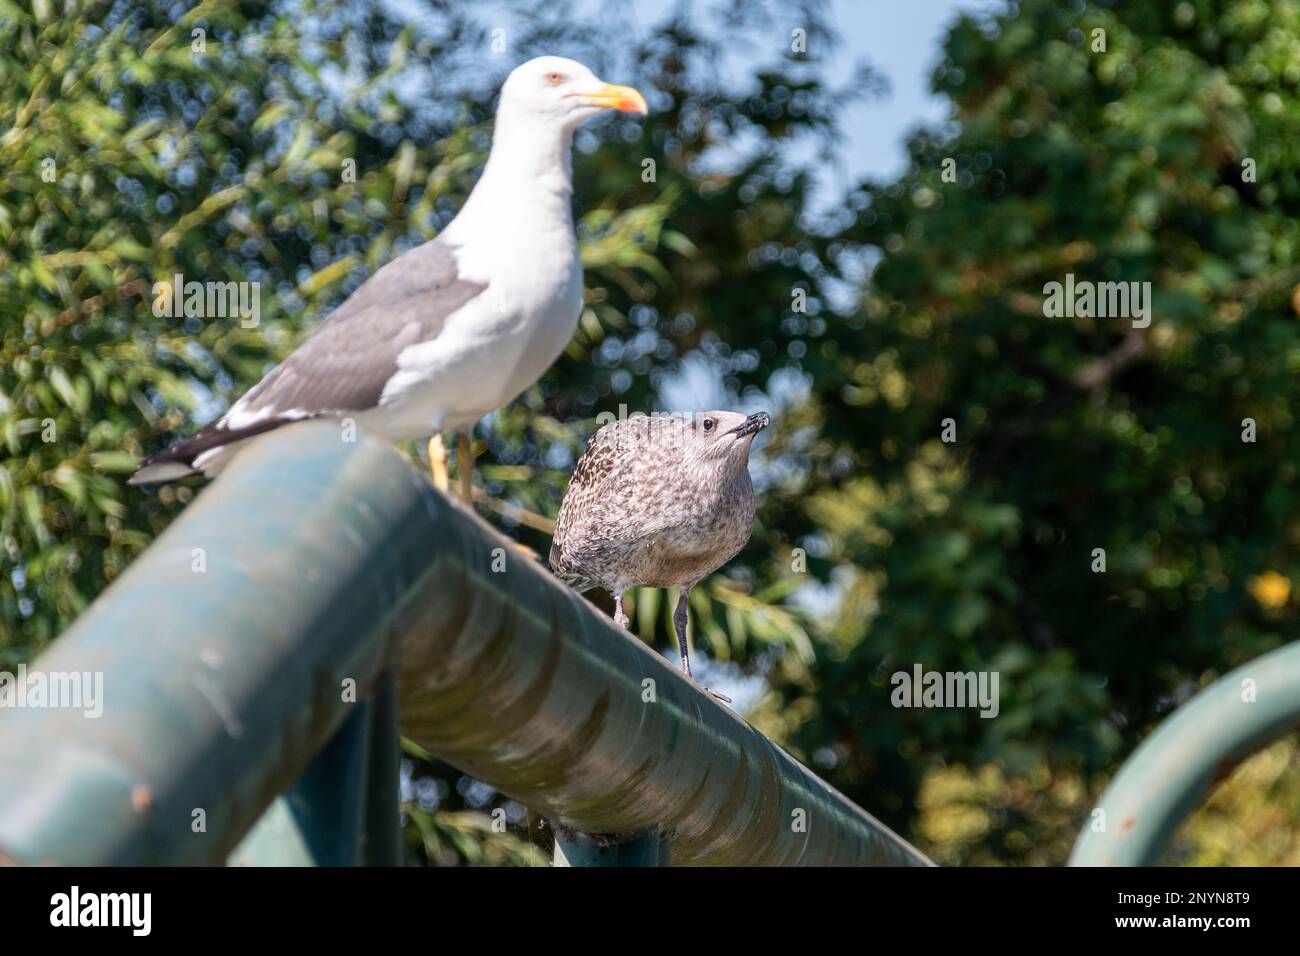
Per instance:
(713,693)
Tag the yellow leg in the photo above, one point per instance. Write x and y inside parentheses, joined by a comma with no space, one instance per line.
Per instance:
(438,462)
(465,467)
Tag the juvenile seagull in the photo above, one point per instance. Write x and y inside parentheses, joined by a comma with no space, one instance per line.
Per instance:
(658,502)
(454,328)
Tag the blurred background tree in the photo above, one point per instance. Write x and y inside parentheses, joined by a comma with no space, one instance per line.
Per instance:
(143,139)
(1171,156)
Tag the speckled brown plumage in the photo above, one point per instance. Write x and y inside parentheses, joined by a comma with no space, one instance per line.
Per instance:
(658,501)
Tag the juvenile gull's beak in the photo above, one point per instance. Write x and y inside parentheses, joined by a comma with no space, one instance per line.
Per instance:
(621,98)
(752,425)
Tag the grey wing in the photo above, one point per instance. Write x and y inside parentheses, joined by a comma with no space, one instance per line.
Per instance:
(345,365)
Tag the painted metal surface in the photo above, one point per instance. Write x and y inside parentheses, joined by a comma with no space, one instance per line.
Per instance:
(322,562)
(1174,769)
(640,849)
(224,651)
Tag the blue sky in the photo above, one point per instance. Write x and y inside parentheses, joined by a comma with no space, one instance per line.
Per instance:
(901,39)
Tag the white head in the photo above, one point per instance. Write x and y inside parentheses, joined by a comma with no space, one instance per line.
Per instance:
(527,181)
(562,93)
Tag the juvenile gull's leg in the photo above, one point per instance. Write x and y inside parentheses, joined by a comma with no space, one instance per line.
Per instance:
(679,625)
(619,617)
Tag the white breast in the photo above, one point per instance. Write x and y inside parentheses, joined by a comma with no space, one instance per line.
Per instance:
(500,343)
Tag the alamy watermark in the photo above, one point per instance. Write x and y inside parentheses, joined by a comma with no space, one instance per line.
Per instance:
(623,415)
(673,430)
(54,690)
(1102,300)
(208,300)
(133,911)
(941,689)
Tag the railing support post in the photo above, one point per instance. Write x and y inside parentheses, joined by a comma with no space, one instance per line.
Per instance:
(343,811)
(382,837)
(318,821)
(649,848)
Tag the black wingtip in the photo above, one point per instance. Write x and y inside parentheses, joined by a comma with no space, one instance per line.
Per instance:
(176,461)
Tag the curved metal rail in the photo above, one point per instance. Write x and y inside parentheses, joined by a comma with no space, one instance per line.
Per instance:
(1173,770)
(258,626)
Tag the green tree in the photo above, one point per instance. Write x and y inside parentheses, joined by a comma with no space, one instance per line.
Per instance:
(1136,142)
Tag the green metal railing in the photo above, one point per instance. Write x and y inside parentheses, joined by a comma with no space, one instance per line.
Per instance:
(1174,769)
(254,656)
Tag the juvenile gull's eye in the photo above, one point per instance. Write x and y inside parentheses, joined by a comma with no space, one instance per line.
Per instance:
(708,424)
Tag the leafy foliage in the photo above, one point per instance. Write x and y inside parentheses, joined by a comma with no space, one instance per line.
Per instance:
(1073,434)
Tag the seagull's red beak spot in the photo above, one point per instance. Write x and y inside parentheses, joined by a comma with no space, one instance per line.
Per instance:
(621,98)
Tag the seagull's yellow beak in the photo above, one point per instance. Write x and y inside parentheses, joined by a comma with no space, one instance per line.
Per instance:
(621,98)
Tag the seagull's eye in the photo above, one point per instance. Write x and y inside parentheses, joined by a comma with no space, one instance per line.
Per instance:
(708,424)
(555,79)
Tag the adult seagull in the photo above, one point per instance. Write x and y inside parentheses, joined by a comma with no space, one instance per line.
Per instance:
(459,326)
